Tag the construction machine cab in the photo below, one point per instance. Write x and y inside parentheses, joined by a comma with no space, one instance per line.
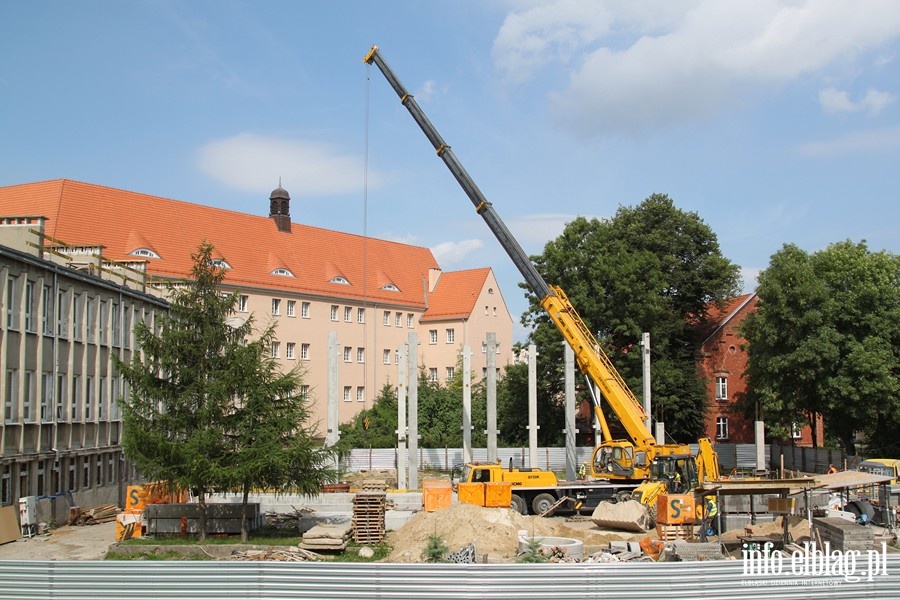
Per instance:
(677,471)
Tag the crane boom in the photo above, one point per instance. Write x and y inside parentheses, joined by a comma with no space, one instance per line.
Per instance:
(590,358)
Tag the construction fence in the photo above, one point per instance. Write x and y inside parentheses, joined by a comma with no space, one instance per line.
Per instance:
(327,580)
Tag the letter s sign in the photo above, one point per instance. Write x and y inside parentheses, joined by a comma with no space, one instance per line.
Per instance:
(133,497)
(675,505)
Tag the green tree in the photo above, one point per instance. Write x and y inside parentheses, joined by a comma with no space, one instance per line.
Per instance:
(652,268)
(823,341)
(274,447)
(205,409)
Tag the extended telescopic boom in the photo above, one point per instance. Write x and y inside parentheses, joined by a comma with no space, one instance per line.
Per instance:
(592,361)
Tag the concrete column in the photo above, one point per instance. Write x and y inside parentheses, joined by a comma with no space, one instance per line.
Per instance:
(491,397)
(660,433)
(467,403)
(333,434)
(645,345)
(570,429)
(402,353)
(413,400)
(760,431)
(598,431)
(532,406)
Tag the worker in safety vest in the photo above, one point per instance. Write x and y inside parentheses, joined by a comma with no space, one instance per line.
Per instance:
(710,525)
(582,471)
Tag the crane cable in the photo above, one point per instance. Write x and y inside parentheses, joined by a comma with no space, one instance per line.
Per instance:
(367,359)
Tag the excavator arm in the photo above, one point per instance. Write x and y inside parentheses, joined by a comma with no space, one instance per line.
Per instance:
(591,359)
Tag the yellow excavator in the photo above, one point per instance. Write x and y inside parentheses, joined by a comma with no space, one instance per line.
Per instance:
(638,458)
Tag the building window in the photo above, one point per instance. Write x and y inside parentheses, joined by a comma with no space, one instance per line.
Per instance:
(486,310)
(89,399)
(484,347)
(386,356)
(61,412)
(398,319)
(91,320)
(721,388)
(451,371)
(304,351)
(304,392)
(304,310)
(276,349)
(30,316)
(432,336)
(289,350)
(290,307)
(276,307)
(46,307)
(340,280)
(451,336)
(104,320)
(282,273)
(721,428)
(360,394)
(76,317)
(796,430)
(346,393)
(11,313)
(386,320)
(242,303)
(432,374)
(360,315)
(46,397)
(360,355)
(334,310)
(348,314)
(347,351)
(29,398)
(409,321)
(11,401)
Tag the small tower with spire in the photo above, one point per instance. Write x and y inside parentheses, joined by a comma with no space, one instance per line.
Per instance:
(280,208)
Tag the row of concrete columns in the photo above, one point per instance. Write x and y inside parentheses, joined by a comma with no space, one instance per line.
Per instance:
(407,407)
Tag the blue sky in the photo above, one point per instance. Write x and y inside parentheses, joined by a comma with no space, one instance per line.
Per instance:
(776,121)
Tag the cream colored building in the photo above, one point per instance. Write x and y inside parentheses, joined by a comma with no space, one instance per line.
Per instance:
(371,293)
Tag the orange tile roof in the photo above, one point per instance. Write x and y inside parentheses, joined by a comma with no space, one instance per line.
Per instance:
(87,214)
(455,294)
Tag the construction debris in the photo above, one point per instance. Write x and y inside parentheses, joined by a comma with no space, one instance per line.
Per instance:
(327,537)
(91,516)
(626,516)
(291,554)
(463,555)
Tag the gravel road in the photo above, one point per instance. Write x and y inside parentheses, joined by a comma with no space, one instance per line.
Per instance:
(87,542)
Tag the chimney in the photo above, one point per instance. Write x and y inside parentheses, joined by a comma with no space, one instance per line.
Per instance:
(280,208)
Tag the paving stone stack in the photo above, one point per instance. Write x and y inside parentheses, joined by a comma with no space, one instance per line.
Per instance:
(842,534)
(368,517)
(327,537)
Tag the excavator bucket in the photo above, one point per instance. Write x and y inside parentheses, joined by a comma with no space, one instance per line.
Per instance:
(624,516)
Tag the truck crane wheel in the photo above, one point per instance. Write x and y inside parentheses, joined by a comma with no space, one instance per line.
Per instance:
(518,504)
(542,502)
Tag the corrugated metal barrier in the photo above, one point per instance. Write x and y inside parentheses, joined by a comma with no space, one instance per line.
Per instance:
(631,581)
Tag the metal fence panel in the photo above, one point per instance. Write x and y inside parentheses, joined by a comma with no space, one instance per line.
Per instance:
(70,580)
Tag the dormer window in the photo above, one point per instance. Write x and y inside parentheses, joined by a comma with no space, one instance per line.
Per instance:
(145,253)
(219,263)
(282,273)
(390,287)
(339,279)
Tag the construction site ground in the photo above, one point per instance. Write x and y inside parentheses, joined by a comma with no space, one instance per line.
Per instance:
(493,531)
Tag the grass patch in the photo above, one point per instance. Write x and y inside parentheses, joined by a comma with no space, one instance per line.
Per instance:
(351,554)
(166,555)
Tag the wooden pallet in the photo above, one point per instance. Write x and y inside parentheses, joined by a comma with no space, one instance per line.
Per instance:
(368,517)
(668,533)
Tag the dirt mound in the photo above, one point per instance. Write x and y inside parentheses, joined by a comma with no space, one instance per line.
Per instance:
(494,531)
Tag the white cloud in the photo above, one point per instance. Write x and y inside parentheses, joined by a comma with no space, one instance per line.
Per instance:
(449,253)
(638,68)
(870,141)
(428,89)
(251,162)
(836,101)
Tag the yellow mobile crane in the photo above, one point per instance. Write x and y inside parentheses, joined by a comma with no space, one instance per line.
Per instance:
(638,458)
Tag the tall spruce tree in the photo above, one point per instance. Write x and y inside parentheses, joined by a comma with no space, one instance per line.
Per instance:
(205,405)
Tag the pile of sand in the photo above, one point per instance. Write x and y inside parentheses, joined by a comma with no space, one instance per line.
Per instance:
(494,531)
(797,526)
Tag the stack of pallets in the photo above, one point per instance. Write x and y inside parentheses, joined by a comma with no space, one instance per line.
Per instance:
(368,517)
